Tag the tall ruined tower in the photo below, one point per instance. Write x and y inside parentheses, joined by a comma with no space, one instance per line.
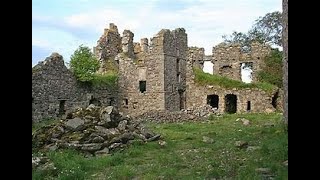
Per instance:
(175,49)
(153,77)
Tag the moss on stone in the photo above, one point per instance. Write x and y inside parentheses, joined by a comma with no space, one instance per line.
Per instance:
(203,78)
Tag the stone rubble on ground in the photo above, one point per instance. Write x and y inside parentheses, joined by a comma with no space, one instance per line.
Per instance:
(245,121)
(95,130)
(43,163)
(193,114)
(241,144)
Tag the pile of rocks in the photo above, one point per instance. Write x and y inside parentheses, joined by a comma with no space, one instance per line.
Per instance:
(43,163)
(96,130)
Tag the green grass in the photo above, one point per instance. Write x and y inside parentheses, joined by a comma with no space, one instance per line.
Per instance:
(109,79)
(186,156)
(42,123)
(203,78)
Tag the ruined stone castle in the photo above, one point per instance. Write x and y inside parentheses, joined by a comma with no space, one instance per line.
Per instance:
(152,76)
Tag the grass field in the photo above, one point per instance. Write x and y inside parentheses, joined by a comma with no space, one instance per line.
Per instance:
(186,155)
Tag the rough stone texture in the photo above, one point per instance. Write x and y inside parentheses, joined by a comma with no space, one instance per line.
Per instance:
(168,117)
(161,66)
(144,45)
(197,56)
(55,91)
(260,101)
(127,43)
(227,59)
(93,138)
(108,46)
(43,164)
(75,123)
(241,144)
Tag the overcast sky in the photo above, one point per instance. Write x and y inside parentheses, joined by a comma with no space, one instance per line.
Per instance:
(62,25)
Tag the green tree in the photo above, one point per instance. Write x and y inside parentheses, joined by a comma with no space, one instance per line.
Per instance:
(266,30)
(84,64)
(271,72)
(238,37)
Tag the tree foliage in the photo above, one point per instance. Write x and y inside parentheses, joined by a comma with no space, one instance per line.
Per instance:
(266,30)
(84,64)
(272,70)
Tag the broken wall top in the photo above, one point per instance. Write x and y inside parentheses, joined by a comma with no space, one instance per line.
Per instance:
(233,52)
(55,61)
(109,44)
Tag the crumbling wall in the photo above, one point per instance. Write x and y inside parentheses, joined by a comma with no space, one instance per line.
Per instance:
(54,88)
(108,46)
(260,101)
(131,71)
(227,59)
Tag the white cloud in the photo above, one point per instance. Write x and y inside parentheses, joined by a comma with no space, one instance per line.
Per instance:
(205,21)
(40,43)
(55,40)
(95,20)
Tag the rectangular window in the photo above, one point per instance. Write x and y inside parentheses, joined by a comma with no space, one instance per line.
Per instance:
(142,86)
(178,77)
(248,106)
(178,65)
(62,107)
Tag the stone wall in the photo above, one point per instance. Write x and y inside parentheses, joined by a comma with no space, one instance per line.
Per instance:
(227,59)
(197,56)
(260,101)
(55,90)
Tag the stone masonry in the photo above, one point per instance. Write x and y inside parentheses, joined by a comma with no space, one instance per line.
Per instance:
(55,91)
(197,55)
(155,75)
(247,100)
(227,59)
(161,66)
